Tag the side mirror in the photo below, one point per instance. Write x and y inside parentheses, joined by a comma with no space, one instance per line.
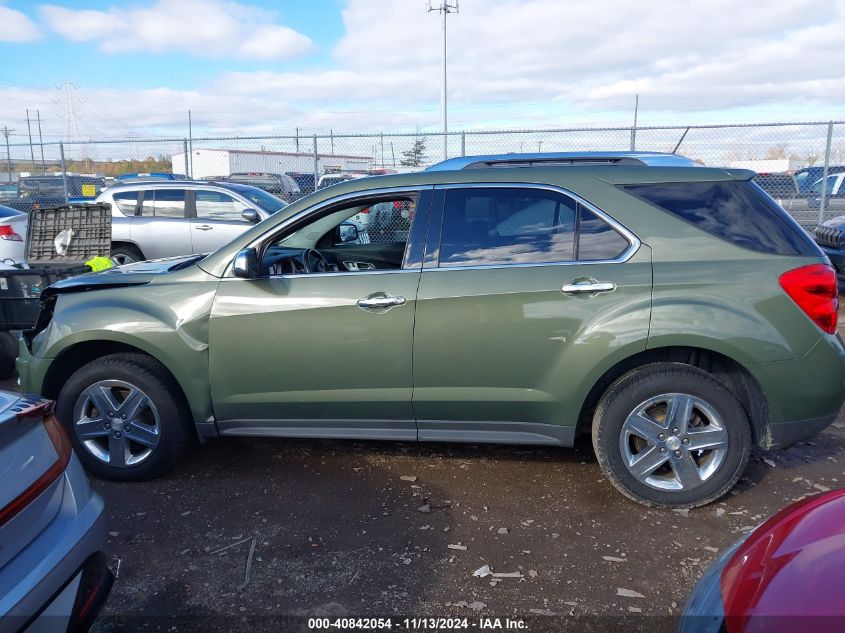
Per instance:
(347,233)
(251,215)
(245,265)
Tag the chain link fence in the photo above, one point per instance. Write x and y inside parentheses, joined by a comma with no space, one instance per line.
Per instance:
(801,165)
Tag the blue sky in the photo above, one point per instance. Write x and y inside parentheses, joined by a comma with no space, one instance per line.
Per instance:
(252,66)
(37,65)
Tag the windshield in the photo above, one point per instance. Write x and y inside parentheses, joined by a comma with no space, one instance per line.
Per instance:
(266,201)
(831,183)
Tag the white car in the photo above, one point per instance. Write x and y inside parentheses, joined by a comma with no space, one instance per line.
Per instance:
(12,235)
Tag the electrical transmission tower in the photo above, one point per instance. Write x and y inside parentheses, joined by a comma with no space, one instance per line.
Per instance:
(71,115)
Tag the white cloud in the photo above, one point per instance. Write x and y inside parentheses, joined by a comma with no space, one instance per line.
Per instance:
(205,28)
(512,63)
(16,27)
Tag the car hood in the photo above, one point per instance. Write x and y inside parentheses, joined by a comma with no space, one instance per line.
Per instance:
(120,276)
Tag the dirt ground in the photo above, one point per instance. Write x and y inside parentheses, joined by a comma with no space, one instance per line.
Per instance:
(378,529)
(246,530)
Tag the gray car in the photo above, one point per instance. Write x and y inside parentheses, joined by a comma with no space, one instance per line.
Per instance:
(157,219)
(53,572)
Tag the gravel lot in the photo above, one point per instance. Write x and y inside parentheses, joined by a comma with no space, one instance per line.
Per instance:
(379,529)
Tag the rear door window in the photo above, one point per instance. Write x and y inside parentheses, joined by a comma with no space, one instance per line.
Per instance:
(737,211)
(164,203)
(597,240)
(484,226)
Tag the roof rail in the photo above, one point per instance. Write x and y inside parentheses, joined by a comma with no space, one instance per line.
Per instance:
(564,159)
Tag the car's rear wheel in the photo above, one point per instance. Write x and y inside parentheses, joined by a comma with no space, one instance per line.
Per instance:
(125,416)
(126,254)
(671,435)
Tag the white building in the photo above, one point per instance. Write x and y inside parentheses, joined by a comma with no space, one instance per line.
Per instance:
(210,163)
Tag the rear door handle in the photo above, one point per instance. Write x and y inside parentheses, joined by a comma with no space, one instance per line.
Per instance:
(588,286)
(203,227)
(380,303)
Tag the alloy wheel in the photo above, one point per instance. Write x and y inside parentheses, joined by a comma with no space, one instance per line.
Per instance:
(673,441)
(117,423)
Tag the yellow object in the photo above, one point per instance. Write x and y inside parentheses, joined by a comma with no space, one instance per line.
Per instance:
(97,264)
(89,191)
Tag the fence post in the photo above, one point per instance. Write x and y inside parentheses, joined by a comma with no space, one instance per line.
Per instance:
(826,171)
(316,164)
(8,155)
(185,145)
(463,144)
(64,170)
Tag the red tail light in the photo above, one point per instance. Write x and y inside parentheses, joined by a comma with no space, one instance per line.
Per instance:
(815,291)
(63,450)
(8,233)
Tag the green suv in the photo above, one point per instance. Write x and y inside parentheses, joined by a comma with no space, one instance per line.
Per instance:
(671,311)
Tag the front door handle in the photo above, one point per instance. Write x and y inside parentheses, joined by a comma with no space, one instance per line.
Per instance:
(588,286)
(380,303)
(203,227)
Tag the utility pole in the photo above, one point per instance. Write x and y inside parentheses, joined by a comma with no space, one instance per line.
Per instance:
(444,8)
(29,131)
(634,129)
(40,140)
(6,131)
(190,173)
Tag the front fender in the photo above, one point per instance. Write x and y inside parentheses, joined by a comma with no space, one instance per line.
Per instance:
(167,321)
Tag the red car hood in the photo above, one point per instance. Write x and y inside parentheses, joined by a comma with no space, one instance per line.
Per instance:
(789,569)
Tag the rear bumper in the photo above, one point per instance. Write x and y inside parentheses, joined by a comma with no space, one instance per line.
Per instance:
(43,582)
(804,395)
(788,433)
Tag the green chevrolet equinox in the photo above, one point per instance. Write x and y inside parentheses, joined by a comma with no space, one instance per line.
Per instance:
(672,312)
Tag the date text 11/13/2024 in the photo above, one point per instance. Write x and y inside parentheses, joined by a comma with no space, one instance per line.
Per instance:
(418,624)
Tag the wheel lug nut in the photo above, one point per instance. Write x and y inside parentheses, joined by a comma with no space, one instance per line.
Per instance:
(686,441)
(675,431)
(107,425)
(127,429)
(661,437)
(662,451)
(677,453)
(123,416)
(117,434)
(111,414)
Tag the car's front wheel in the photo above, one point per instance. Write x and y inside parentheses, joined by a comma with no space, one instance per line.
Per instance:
(125,416)
(126,254)
(671,435)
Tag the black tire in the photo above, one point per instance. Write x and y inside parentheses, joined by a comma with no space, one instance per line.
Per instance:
(126,254)
(176,431)
(8,354)
(636,387)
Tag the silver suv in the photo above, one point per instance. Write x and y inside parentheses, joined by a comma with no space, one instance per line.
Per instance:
(166,219)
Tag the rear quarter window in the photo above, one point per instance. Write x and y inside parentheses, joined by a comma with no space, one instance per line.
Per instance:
(737,211)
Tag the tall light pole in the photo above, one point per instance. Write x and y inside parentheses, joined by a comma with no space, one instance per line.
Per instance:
(444,8)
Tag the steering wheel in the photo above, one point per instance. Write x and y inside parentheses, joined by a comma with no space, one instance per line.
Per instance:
(320,265)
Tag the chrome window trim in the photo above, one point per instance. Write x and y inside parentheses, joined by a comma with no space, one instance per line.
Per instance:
(285,224)
(634,242)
